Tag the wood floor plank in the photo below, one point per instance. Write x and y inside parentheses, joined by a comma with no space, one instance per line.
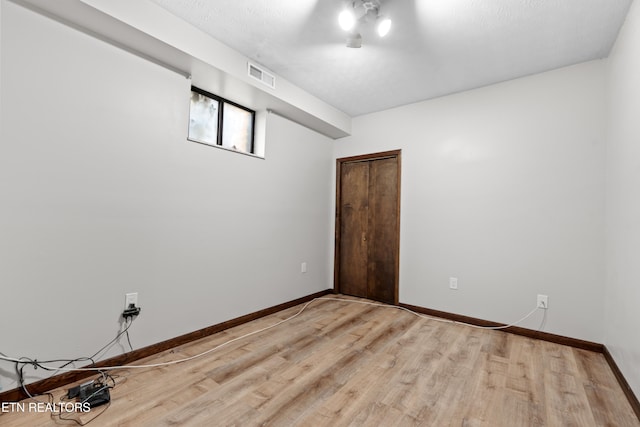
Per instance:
(377,414)
(418,380)
(368,384)
(596,379)
(566,401)
(492,380)
(325,377)
(345,363)
(525,385)
(457,383)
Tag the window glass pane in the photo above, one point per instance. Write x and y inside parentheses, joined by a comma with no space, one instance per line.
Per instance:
(203,119)
(237,128)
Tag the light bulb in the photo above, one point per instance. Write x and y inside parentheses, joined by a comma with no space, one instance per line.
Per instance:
(347,19)
(384,26)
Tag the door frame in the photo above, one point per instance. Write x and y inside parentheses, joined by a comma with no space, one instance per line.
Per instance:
(362,158)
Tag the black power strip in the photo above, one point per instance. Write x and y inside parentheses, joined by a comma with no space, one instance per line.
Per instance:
(92,393)
(131,311)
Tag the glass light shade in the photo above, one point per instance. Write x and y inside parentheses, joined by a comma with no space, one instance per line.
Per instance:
(347,19)
(384,26)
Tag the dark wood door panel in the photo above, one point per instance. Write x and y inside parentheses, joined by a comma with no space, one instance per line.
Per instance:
(354,213)
(383,233)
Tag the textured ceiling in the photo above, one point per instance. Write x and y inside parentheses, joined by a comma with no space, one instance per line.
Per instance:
(435,47)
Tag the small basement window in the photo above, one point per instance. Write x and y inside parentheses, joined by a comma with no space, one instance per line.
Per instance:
(221,123)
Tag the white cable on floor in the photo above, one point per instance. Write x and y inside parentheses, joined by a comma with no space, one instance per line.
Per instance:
(174,362)
(436,318)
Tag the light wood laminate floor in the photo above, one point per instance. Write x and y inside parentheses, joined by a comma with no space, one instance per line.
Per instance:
(341,363)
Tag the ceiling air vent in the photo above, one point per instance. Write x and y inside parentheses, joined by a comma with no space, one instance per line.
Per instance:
(260,74)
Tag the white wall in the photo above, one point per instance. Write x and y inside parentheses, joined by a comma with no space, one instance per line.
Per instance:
(101,194)
(622,313)
(502,187)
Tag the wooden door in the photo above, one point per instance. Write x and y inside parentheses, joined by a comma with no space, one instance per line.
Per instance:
(367,226)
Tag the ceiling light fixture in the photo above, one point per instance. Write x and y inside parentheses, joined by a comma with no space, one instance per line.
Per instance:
(356,14)
(354,40)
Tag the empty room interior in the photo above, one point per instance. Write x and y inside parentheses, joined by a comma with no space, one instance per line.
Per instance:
(320,212)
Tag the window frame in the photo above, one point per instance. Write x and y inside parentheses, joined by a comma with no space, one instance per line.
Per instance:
(221,103)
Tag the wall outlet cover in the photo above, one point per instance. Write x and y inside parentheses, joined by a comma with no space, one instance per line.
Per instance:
(543,301)
(131,298)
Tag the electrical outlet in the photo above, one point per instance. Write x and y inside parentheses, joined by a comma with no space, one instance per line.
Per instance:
(303,267)
(453,283)
(129,299)
(543,301)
